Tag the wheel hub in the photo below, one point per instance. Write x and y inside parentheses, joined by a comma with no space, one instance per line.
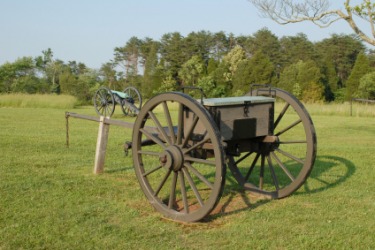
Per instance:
(103,101)
(172,158)
(269,144)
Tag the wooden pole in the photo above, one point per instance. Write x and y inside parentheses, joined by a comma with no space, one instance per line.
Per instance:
(101,145)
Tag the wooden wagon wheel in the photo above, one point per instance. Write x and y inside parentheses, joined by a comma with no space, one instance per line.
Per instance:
(278,167)
(180,166)
(134,99)
(104,102)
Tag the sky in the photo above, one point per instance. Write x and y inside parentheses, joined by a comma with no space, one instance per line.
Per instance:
(87,31)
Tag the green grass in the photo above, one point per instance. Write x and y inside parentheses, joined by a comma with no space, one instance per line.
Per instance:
(343,109)
(37,101)
(50,198)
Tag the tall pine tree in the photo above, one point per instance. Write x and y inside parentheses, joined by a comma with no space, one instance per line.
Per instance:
(361,68)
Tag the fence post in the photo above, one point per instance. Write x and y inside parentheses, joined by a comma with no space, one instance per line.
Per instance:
(101,146)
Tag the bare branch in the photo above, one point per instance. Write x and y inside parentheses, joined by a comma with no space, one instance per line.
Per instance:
(371,20)
(287,11)
(318,12)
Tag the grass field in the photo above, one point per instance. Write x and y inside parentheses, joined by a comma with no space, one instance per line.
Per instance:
(50,199)
(19,100)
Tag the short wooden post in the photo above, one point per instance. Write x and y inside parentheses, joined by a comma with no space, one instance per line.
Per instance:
(101,146)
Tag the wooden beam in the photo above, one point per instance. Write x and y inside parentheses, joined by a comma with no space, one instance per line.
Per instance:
(101,146)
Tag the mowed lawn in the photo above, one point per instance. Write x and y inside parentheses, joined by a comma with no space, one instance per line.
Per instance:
(50,198)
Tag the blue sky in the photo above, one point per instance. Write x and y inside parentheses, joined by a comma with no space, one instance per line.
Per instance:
(88,30)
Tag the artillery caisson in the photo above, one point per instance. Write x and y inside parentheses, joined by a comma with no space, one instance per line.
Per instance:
(181,147)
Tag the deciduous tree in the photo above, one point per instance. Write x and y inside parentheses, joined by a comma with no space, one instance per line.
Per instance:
(258,69)
(361,68)
(298,77)
(366,87)
(342,51)
(128,56)
(191,70)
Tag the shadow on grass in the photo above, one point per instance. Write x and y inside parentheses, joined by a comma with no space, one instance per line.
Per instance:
(116,170)
(234,200)
(328,172)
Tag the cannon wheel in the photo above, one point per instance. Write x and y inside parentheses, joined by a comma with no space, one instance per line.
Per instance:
(134,94)
(279,167)
(182,173)
(104,102)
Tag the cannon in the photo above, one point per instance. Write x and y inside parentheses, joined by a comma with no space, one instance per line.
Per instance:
(181,147)
(105,99)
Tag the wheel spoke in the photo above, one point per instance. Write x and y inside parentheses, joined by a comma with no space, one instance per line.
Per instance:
(252,167)
(199,160)
(206,139)
(162,182)
(292,142)
(289,127)
(160,128)
(101,109)
(172,195)
(192,185)
(282,166)
(290,156)
(273,174)
(261,173)
(199,175)
(183,192)
(153,138)
(190,131)
(180,123)
(281,115)
(243,158)
(151,171)
(169,121)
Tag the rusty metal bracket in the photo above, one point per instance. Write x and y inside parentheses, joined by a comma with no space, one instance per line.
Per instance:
(246,108)
(195,88)
(263,88)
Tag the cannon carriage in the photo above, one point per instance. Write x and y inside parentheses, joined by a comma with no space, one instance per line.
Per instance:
(105,100)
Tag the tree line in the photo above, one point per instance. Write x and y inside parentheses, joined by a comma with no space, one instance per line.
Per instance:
(334,69)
